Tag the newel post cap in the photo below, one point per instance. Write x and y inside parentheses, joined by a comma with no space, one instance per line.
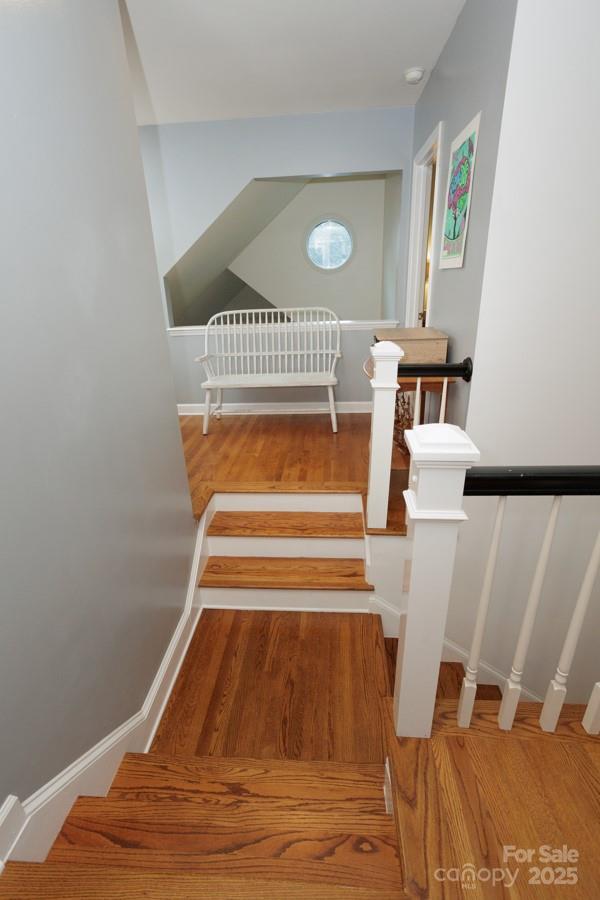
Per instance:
(387,350)
(441,443)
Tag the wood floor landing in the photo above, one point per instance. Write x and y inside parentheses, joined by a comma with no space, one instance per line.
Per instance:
(282,572)
(279,685)
(283,453)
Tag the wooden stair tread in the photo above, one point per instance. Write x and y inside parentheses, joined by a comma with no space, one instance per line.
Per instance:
(309,822)
(295,573)
(230,793)
(68,881)
(484,722)
(286,524)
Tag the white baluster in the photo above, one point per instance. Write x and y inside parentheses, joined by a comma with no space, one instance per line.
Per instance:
(468,690)
(557,689)
(386,356)
(440,456)
(513,687)
(591,719)
(444,401)
(417,410)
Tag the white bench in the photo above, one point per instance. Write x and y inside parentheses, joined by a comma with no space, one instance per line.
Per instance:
(265,348)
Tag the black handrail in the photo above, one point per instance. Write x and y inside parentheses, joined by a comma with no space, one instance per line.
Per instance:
(535,481)
(462,370)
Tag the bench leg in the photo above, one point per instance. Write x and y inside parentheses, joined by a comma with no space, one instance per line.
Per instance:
(332,409)
(218,407)
(206,412)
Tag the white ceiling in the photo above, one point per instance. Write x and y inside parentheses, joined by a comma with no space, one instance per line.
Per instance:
(195,60)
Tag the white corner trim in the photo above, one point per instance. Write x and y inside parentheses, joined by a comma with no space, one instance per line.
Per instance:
(345,325)
(278,409)
(28,829)
(12,821)
(453,652)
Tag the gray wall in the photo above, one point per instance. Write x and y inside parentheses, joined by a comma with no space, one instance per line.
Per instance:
(395,240)
(470,76)
(195,170)
(96,530)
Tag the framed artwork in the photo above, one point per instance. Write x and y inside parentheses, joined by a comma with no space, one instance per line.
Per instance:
(461,170)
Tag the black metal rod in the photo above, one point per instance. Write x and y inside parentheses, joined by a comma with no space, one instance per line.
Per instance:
(462,370)
(536,481)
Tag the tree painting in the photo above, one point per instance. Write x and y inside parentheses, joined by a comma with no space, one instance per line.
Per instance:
(458,192)
(460,186)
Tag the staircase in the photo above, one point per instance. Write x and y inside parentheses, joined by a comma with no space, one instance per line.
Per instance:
(227,824)
(266,775)
(210,827)
(254,553)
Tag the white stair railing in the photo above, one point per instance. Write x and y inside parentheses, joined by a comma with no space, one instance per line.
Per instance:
(440,456)
(513,687)
(557,689)
(469,686)
(386,355)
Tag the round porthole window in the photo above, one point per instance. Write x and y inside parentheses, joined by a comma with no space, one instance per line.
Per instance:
(329,245)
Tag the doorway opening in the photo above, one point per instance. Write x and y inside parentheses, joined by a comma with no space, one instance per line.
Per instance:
(423,229)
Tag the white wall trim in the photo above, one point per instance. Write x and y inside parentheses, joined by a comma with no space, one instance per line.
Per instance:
(28,835)
(390,615)
(421,186)
(345,324)
(301,408)
(12,821)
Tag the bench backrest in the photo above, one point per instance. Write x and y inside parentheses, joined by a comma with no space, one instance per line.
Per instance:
(273,341)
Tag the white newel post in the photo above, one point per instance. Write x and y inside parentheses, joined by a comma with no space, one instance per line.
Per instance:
(440,456)
(386,356)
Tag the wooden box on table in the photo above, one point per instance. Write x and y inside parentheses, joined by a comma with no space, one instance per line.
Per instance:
(420,345)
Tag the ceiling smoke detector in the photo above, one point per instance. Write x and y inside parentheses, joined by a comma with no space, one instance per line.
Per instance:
(414,75)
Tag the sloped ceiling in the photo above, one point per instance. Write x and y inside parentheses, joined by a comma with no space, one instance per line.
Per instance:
(197,60)
(203,265)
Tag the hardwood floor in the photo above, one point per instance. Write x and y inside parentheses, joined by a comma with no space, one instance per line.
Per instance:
(278,453)
(463,795)
(279,685)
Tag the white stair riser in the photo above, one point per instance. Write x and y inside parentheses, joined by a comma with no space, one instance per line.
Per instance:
(328,548)
(307,600)
(292,502)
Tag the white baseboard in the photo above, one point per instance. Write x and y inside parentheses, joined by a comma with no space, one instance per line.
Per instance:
(390,616)
(12,821)
(300,408)
(28,829)
(488,674)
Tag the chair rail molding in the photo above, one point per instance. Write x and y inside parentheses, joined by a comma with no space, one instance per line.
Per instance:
(345,325)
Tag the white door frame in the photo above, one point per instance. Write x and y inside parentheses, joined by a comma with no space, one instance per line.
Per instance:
(419,222)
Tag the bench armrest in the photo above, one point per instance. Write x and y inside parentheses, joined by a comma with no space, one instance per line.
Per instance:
(206,361)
